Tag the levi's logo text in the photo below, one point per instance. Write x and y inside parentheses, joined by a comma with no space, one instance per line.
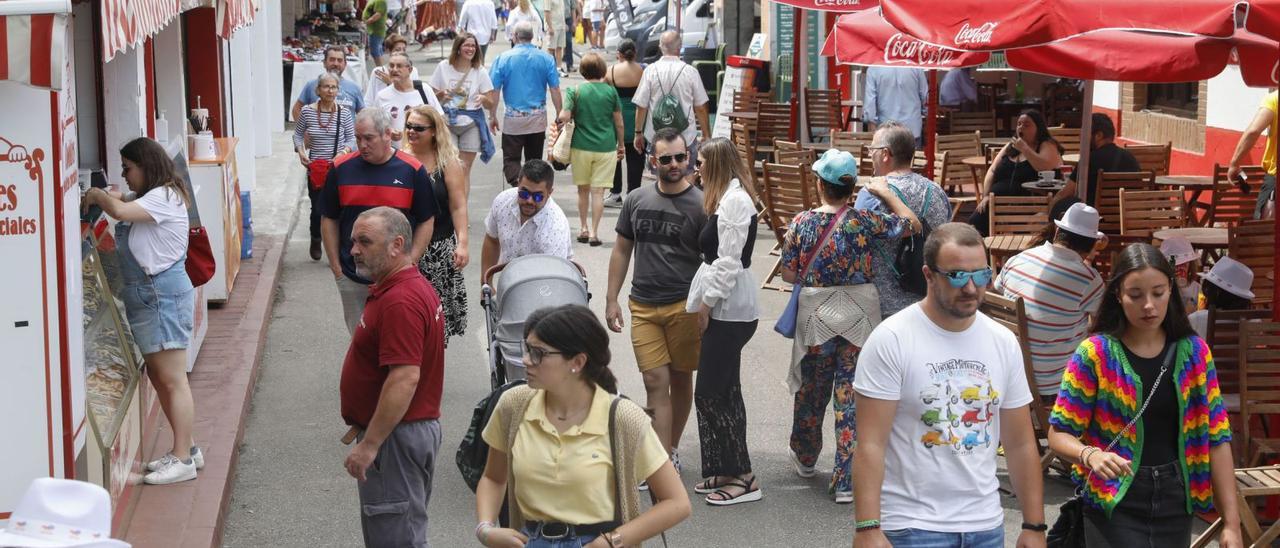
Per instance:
(975,35)
(900,49)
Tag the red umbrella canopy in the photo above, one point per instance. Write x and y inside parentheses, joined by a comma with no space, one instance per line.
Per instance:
(1131,56)
(864,38)
(991,25)
(832,5)
(1264,18)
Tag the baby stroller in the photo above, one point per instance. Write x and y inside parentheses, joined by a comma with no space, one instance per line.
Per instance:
(526,284)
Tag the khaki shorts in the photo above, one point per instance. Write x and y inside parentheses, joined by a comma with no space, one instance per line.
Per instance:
(594,169)
(665,334)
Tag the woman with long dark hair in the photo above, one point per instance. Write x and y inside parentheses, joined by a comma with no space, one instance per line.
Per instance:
(1140,415)
(1031,151)
(568,453)
(625,75)
(151,244)
(723,293)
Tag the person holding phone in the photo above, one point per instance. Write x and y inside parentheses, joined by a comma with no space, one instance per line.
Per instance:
(1031,151)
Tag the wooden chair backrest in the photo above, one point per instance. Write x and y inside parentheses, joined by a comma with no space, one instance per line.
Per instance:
(1259,374)
(1068,137)
(790,152)
(746,100)
(1145,211)
(1253,244)
(1017,214)
(1152,157)
(1012,314)
(746,149)
(1108,199)
(1223,336)
(1106,256)
(851,141)
(956,173)
(866,167)
(1230,205)
(822,111)
(968,122)
(774,122)
(789,190)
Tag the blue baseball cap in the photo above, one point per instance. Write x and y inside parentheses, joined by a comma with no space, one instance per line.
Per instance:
(834,164)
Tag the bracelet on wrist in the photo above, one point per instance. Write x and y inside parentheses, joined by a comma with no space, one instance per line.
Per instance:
(482,530)
(1037,527)
(613,539)
(866,525)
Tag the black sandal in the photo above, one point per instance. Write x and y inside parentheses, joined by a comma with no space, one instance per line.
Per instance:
(709,485)
(595,242)
(725,499)
(584,237)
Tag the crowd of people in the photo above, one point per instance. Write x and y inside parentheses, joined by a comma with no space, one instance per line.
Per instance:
(885,307)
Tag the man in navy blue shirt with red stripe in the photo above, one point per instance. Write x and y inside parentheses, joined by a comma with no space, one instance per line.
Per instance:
(376,175)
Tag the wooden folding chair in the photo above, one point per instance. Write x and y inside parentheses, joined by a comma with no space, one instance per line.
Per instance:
(746,149)
(821,112)
(964,123)
(1143,212)
(1251,483)
(746,100)
(1252,243)
(1068,137)
(774,122)
(1154,158)
(1108,198)
(1026,215)
(1105,257)
(790,152)
(1223,336)
(1259,375)
(954,176)
(851,141)
(789,190)
(1012,314)
(1230,204)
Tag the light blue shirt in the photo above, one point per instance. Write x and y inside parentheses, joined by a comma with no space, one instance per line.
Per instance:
(349,94)
(896,94)
(523,75)
(958,87)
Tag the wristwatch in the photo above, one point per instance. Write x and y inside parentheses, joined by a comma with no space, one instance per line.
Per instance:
(1037,527)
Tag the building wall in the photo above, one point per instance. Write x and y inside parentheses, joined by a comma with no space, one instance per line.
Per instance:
(124,106)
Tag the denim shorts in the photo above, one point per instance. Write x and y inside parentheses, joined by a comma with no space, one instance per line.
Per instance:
(566,542)
(919,538)
(375,46)
(161,309)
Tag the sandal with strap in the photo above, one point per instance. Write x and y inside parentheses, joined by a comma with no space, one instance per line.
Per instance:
(725,499)
(709,485)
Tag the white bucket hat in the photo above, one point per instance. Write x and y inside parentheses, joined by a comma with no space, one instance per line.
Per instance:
(1179,250)
(1082,220)
(61,513)
(1232,276)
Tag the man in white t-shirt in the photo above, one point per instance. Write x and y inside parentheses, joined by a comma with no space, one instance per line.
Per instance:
(479,18)
(393,11)
(402,95)
(939,387)
(671,75)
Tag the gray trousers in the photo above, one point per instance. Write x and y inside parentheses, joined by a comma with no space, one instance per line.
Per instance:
(397,487)
(353,295)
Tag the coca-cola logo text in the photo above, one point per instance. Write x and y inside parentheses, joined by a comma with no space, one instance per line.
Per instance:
(836,3)
(904,50)
(978,35)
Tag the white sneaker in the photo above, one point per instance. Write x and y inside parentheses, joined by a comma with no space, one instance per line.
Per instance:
(197,457)
(801,470)
(171,470)
(613,200)
(844,497)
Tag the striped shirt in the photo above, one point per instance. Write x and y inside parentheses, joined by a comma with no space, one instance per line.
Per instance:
(321,137)
(1061,292)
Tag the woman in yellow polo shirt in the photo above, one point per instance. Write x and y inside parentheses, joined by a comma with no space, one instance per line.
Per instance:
(553,450)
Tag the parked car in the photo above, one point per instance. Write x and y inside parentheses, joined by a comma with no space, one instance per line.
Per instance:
(647,19)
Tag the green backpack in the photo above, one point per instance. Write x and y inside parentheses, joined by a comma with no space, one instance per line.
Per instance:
(668,112)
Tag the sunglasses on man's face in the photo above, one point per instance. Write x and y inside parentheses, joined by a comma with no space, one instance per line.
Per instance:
(678,158)
(417,128)
(537,197)
(961,278)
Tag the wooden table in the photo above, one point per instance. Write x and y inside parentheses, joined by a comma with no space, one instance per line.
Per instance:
(1040,187)
(1251,485)
(1211,240)
(1073,158)
(1004,246)
(1196,186)
(744,115)
(978,166)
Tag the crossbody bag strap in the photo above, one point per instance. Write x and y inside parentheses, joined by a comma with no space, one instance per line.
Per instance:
(826,236)
(613,454)
(1164,367)
(337,131)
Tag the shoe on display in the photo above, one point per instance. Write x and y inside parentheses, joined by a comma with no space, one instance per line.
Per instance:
(801,470)
(171,470)
(197,458)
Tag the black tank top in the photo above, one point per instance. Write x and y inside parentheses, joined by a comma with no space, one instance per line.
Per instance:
(709,241)
(444,216)
(624,92)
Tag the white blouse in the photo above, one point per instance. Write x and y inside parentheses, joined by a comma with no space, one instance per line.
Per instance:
(724,285)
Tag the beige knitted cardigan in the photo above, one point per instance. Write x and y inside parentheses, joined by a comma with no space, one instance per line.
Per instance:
(631,424)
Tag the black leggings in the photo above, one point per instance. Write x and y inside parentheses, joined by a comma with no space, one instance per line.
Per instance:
(513,146)
(635,171)
(722,416)
(314,195)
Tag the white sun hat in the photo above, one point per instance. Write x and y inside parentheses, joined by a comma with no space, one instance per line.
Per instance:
(1081,219)
(1179,250)
(61,513)
(1232,276)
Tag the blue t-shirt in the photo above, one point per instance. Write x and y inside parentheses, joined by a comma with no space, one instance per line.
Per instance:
(349,94)
(354,186)
(524,74)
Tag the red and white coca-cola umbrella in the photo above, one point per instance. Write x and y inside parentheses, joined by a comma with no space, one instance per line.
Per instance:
(864,38)
(832,5)
(1264,18)
(992,25)
(1152,57)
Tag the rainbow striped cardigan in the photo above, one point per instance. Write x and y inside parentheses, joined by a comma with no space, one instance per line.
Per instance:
(1100,394)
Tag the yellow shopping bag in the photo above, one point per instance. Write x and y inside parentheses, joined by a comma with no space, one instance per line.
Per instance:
(579,37)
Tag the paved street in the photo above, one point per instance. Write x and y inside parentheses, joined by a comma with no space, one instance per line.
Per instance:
(291,490)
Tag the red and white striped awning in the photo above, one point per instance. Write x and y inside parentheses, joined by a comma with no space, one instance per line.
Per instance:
(126,23)
(33,49)
(234,15)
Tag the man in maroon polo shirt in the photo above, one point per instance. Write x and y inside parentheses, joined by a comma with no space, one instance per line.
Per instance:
(391,383)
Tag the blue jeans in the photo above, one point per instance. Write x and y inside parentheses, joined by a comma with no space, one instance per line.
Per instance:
(567,542)
(375,46)
(919,538)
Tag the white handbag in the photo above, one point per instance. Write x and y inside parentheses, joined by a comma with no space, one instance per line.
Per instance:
(560,150)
